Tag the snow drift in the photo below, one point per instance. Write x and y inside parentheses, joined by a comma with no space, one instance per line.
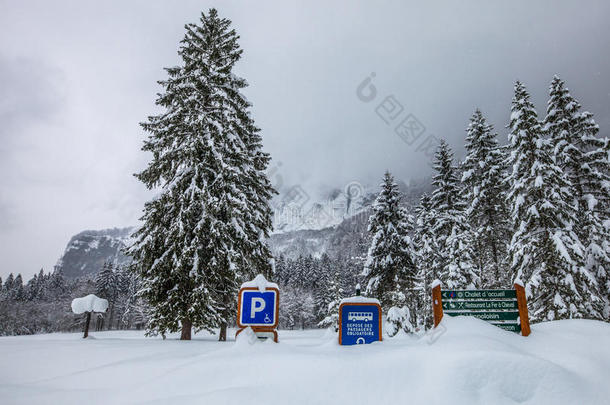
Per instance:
(472,362)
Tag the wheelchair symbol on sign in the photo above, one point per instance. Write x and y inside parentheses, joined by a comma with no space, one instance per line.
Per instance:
(267,319)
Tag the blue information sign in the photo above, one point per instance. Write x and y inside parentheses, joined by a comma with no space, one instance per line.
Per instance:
(258,308)
(360,323)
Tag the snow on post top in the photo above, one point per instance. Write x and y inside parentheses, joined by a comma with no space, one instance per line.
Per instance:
(435,283)
(359,299)
(90,303)
(519,282)
(259,282)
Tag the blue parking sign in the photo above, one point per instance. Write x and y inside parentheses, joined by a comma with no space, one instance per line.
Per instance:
(359,323)
(258,308)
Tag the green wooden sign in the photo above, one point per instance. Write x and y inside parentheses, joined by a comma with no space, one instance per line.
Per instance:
(488,316)
(477,294)
(511,327)
(474,305)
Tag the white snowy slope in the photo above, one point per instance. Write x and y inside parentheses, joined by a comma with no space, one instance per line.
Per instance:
(563,362)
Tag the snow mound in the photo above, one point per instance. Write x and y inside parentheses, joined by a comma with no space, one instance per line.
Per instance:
(259,282)
(90,303)
(246,338)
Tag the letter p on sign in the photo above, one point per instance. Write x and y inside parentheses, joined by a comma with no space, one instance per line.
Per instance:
(258,304)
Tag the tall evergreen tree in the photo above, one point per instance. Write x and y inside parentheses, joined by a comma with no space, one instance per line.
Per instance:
(584,159)
(206,231)
(18,292)
(106,286)
(323,293)
(428,258)
(455,264)
(545,251)
(390,266)
(334,294)
(8,283)
(485,196)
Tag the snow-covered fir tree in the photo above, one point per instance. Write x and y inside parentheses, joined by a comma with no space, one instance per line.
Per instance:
(106,282)
(390,267)
(334,294)
(584,160)
(545,252)
(107,287)
(427,258)
(452,234)
(206,231)
(8,283)
(18,292)
(486,209)
(324,279)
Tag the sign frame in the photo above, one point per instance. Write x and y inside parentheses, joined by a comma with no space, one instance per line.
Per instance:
(378,306)
(523,320)
(258,326)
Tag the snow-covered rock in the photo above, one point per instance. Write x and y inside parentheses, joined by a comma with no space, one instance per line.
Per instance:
(87,251)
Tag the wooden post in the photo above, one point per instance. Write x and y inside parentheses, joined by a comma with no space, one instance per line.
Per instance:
(437,305)
(87,321)
(523,314)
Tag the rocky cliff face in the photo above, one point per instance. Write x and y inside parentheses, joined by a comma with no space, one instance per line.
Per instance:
(87,251)
(339,233)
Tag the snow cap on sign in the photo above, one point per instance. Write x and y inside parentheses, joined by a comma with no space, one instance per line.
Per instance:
(259,282)
(435,283)
(90,303)
(359,299)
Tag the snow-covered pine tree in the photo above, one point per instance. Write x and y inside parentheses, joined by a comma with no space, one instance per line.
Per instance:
(8,283)
(134,310)
(545,252)
(427,258)
(106,282)
(281,275)
(321,295)
(334,295)
(206,232)
(18,293)
(106,286)
(584,159)
(486,209)
(452,235)
(390,267)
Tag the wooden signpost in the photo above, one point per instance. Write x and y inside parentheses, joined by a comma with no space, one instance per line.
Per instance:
(506,309)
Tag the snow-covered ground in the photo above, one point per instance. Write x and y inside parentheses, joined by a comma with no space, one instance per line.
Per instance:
(564,362)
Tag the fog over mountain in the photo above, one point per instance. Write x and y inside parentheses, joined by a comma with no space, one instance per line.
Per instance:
(77,78)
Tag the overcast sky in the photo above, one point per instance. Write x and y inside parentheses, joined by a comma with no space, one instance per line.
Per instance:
(77,77)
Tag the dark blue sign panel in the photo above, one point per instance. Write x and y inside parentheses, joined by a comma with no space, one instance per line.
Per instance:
(360,323)
(258,308)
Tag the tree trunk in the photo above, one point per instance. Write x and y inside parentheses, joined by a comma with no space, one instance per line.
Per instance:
(186,329)
(223,333)
(87,321)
